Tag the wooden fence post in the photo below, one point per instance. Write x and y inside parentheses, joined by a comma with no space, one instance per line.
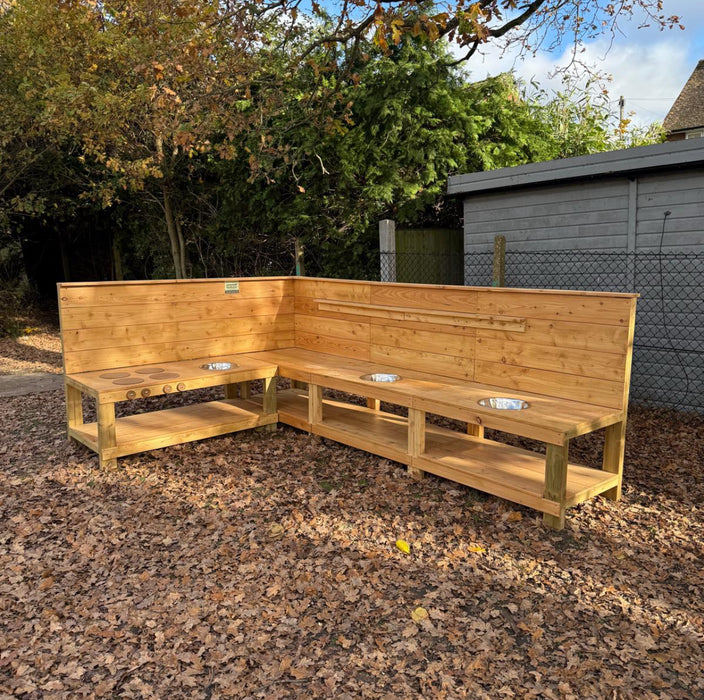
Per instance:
(498,272)
(298,254)
(387,250)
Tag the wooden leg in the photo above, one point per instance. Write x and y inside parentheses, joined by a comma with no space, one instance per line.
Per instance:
(295,384)
(476,430)
(416,439)
(269,402)
(230,391)
(107,444)
(614,448)
(315,404)
(374,403)
(556,483)
(244,390)
(74,407)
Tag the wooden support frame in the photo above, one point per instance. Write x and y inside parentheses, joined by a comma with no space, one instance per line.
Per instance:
(416,440)
(231,391)
(315,404)
(556,483)
(74,407)
(614,451)
(567,353)
(475,429)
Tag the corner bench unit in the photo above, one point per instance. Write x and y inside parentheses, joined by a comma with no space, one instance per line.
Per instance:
(567,354)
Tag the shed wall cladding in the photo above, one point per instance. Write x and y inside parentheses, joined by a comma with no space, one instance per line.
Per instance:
(607,234)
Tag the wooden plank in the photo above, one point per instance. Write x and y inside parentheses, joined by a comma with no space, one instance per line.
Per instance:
(315,404)
(399,313)
(545,431)
(475,430)
(307,306)
(495,483)
(629,354)
(566,334)
(556,483)
(106,435)
(333,346)
(269,400)
(159,353)
(148,431)
(458,367)
(74,406)
(448,299)
(614,450)
(183,291)
(333,289)
(175,332)
(598,392)
(381,434)
(231,391)
(172,312)
(80,435)
(416,439)
(603,310)
(583,363)
(441,343)
(334,328)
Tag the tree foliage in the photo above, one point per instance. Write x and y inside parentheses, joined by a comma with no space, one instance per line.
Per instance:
(211,134)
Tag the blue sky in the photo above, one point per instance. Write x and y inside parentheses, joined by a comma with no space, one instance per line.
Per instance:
(648,67)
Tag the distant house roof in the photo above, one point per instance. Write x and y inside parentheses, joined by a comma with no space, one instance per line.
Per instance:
(627,161)
(688,110)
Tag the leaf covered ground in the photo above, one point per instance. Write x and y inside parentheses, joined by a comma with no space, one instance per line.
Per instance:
(265,565)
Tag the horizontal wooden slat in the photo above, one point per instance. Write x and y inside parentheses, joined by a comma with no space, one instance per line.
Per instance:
(332,289)
(175,332)
(333,346)
(335,328)
(443,317)
(598,392)
(559,307)
(450,366)
(583,363)
(131,315)
(566,334)
(463,300)
(418,337)
(184,291)
(108,358)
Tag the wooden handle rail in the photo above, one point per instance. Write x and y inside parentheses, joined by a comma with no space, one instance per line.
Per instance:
(446,318)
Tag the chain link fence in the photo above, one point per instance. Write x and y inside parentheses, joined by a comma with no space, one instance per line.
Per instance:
(668,355)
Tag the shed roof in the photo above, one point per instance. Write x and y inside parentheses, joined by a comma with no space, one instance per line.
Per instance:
(625,162)
(688,110)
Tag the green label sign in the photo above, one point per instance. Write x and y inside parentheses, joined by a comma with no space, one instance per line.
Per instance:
(232,287)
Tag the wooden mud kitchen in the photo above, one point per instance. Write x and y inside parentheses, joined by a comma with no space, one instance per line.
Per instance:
(542,364)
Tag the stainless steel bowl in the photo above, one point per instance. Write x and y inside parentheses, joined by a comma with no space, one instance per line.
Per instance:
(503,404)
(218,366)
(383,377)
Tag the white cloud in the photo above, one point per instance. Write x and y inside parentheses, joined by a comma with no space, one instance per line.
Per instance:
(648,67)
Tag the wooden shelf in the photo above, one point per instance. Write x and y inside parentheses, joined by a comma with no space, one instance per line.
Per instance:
(508,472)
(148,431)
